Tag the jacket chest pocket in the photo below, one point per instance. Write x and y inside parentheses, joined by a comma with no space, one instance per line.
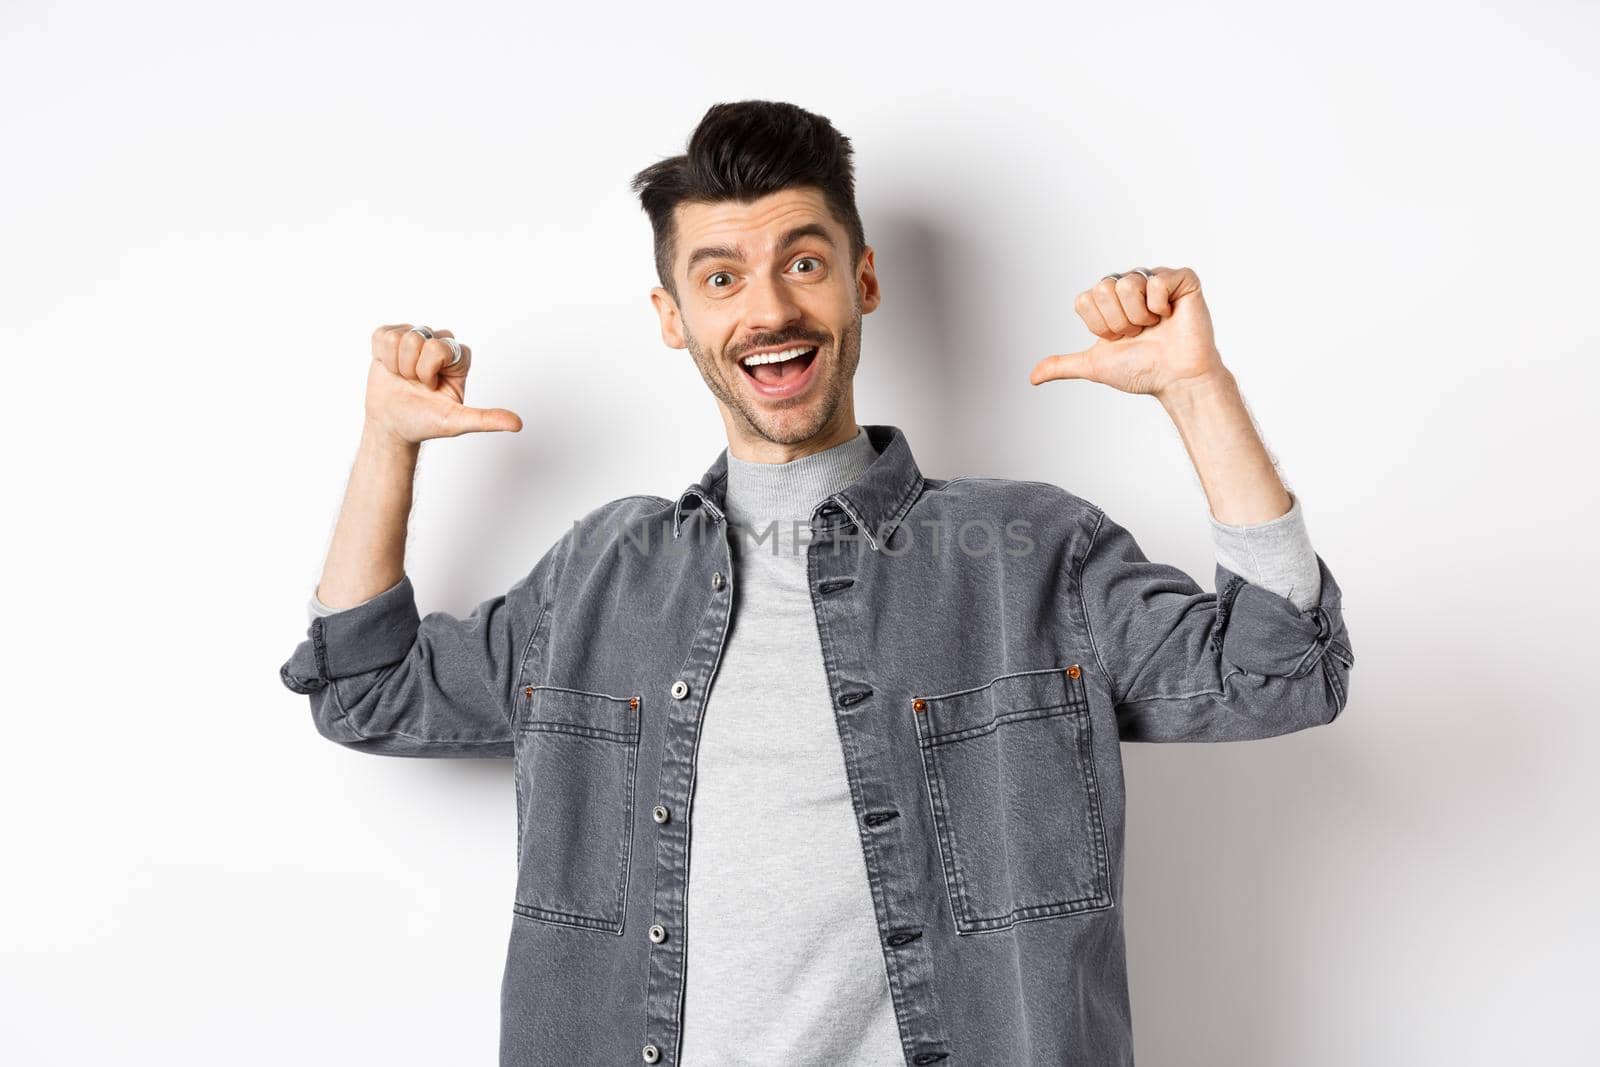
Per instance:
(577,756)
(1015,799)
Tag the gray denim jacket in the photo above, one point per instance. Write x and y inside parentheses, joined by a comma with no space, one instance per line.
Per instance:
(988,643)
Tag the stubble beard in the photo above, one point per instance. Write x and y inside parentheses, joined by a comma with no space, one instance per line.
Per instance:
(819,411)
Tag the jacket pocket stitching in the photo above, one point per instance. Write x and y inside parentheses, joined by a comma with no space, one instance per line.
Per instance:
(597,732)
(532,729)
(1042,711)
(956,868)
(991,683)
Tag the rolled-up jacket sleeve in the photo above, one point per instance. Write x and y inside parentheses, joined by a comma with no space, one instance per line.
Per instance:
(382,678)
(1187,665)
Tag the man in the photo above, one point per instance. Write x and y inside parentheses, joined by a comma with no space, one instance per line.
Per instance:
(817,762)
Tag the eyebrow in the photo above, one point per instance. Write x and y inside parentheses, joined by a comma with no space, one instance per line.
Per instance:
(729,252)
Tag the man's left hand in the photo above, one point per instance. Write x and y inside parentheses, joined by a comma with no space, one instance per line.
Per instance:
(1154,333)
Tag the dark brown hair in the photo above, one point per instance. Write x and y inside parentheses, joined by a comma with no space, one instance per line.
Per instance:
(743,151)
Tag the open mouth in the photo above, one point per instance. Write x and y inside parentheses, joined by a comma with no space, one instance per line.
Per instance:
(780,374)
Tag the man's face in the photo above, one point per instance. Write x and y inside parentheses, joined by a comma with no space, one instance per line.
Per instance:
(770,276)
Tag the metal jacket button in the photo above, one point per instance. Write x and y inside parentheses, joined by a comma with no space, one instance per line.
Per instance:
(659,813)
(651,1054)
(680,689)
(716,579)
(1073,671)
(658,933)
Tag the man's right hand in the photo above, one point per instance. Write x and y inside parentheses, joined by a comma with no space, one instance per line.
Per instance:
(413,395)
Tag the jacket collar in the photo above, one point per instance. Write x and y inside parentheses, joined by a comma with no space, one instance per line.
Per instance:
(874,503)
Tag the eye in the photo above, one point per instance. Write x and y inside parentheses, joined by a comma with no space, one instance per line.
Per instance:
(813,259)
(720,274)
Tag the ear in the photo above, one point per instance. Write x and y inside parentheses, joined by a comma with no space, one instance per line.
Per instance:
(867,282)
(671,324)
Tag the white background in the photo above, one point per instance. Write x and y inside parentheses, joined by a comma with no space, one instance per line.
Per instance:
(207,208)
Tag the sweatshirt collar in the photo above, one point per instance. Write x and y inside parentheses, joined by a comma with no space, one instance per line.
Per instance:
(874,502)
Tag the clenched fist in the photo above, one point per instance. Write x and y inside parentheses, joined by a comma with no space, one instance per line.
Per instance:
(415,394)
(1154,329)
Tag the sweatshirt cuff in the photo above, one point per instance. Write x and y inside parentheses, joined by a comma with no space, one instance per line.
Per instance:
(316,609)
(1275,555)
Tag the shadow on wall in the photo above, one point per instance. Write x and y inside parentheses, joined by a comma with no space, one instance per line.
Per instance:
(930,350)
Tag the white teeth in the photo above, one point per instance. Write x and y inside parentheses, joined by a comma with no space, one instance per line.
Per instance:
(776,357)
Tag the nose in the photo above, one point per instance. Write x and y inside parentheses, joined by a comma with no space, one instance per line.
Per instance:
(769,304)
